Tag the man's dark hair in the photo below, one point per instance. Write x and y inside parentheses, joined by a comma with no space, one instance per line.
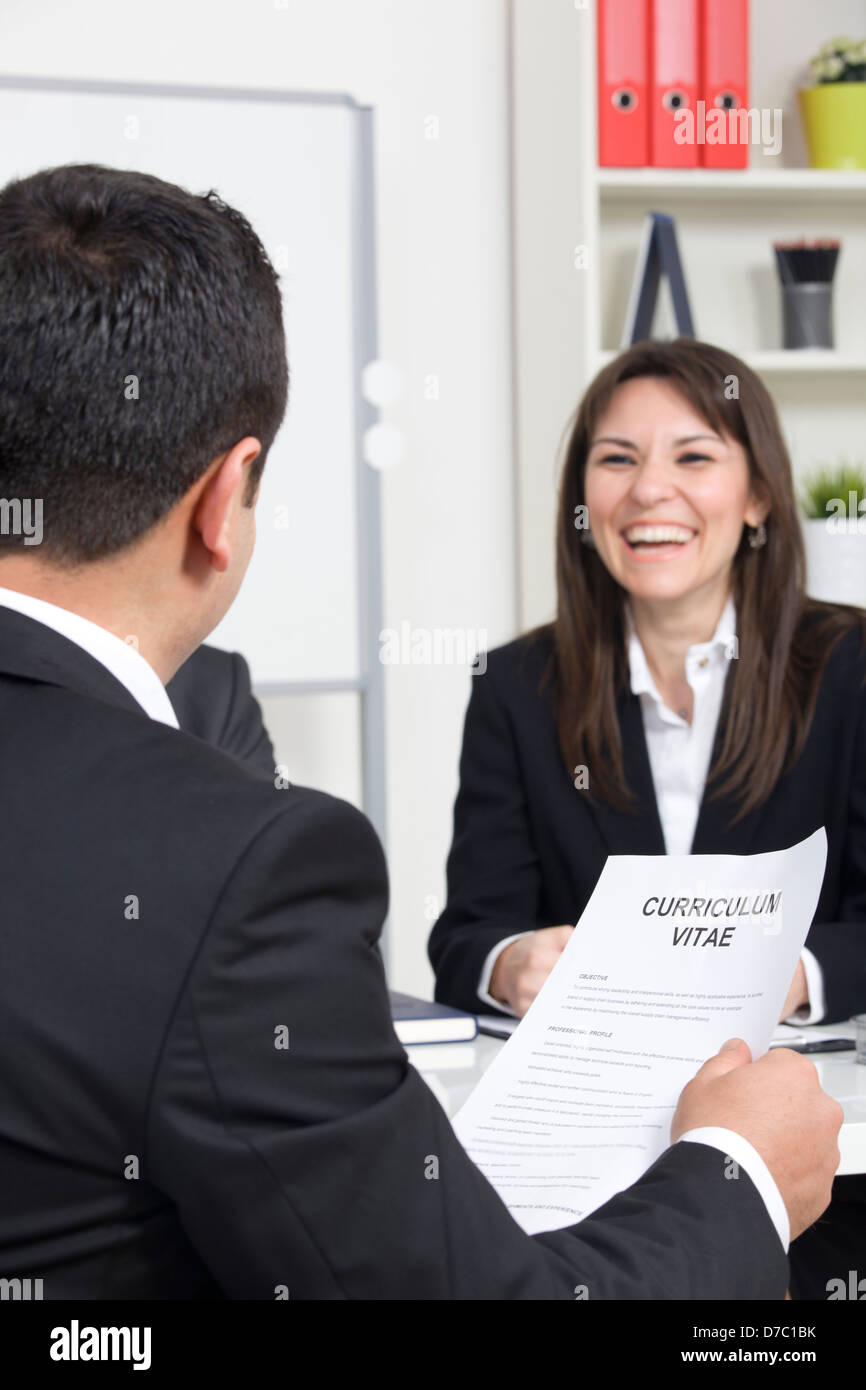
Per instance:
(141,336)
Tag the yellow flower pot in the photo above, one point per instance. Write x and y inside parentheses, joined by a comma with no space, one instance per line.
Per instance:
(834,119)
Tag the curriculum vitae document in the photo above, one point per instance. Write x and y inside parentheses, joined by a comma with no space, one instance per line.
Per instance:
(673,955)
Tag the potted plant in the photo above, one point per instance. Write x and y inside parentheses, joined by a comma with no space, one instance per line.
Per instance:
(834,107)
(833,502)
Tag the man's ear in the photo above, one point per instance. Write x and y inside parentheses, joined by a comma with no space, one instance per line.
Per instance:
(221,496)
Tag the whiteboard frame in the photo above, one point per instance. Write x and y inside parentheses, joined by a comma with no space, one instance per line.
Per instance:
(370,682)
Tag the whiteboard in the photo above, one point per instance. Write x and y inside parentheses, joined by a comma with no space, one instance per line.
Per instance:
(291,164)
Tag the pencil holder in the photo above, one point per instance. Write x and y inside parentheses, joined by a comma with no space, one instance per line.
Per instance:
(807,312)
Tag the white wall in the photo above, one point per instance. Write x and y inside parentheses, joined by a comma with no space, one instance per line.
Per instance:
(786,34)
(551,146)
(443,242)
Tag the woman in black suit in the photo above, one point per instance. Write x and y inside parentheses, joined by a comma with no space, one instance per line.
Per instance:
(689,697)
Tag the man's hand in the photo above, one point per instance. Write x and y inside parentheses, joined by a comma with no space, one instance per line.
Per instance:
(778,1105)
(798,994)
(524,965)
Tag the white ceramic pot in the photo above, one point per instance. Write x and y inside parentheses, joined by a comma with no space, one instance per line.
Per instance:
(836,560)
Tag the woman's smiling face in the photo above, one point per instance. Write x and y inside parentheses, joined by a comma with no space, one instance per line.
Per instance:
(667,495)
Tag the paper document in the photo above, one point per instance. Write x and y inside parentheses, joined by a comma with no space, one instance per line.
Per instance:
(785,1035)
(673,955)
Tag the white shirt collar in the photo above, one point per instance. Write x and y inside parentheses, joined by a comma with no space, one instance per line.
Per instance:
(120,658)
(641,677)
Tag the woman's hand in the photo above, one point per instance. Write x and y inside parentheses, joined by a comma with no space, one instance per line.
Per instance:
(798,994)
(524,965)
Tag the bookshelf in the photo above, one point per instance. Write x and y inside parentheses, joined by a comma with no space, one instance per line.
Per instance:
(725,232)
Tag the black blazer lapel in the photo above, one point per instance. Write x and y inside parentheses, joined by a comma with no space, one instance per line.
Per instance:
(714,832)
(33,651)
(637,830)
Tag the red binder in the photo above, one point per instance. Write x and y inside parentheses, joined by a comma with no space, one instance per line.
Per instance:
(725,80)
(675,53)
(623,74)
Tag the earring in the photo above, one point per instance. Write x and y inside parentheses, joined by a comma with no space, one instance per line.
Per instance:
(586,537)
(758,536)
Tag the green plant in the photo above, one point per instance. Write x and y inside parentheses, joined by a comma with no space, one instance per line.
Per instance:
(840,60)
(823,490)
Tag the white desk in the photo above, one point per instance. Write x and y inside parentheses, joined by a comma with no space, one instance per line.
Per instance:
(451,1070)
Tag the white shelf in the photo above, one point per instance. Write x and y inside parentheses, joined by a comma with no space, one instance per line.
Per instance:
(782,363)
(836,184)
(805,360)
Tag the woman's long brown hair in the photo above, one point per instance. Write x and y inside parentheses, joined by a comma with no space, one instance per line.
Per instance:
(784,638)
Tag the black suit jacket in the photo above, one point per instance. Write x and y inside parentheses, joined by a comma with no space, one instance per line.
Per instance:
(528,846)
(202,1094)
(212,697)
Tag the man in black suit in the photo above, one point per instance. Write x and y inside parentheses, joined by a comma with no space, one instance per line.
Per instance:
(205,1097)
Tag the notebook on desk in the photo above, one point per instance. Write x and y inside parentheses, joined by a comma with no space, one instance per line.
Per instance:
(420,1021)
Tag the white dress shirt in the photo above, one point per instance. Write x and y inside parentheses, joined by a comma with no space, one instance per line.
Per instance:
(680,752)
(120,658)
